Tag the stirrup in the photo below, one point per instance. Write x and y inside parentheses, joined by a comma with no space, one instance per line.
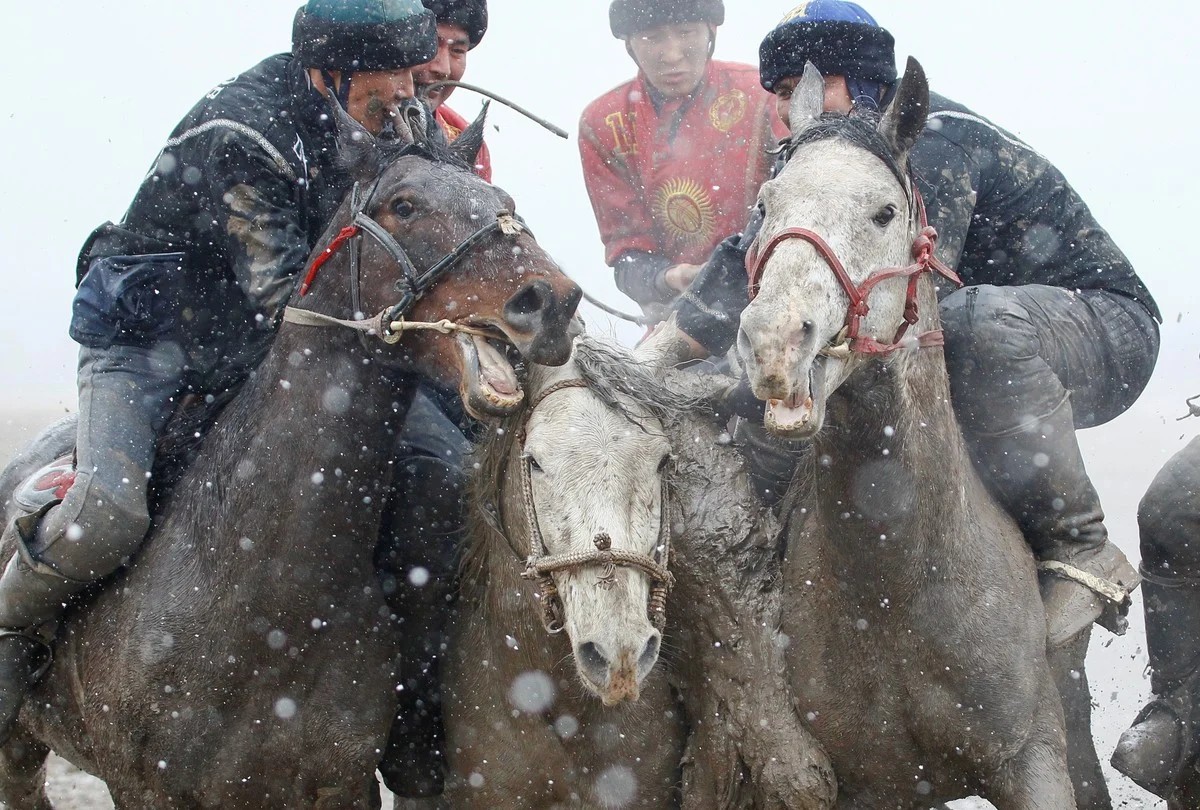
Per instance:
(1117,598)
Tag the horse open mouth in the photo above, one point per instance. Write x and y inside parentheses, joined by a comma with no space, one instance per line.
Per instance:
(489,384)
(801,415)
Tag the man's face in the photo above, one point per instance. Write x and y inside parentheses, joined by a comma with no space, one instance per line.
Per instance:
(375,95)
(450,62)
(837,96)
(673,57)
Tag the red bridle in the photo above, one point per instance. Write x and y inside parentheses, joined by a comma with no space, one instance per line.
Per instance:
(925,262)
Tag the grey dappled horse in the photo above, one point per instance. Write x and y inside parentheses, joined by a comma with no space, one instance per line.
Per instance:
(916,631)
(579,716)
(245,658)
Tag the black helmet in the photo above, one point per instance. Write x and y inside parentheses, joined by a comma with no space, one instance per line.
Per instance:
(470,15)
(629,17)
(354,35)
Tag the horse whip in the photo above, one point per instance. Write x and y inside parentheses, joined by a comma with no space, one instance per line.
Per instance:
(559,131)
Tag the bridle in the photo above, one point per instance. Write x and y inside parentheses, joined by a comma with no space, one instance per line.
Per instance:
(849,340)
(390,324)
(540,565)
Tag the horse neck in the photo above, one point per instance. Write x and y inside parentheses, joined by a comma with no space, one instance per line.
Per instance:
(311,434)
(891,462)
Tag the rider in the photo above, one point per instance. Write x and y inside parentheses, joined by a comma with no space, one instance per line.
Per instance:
(1163,746)
(461,25)
(673,159)
(185,294)
(1054,330)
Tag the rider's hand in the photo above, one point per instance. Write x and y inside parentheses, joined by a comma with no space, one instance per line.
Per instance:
(680,276)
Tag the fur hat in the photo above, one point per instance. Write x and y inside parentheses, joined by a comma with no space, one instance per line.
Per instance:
(471,15)
(354,35)
(837,36)
(629,17)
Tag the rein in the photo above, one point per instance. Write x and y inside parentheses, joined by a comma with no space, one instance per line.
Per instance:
(540,565)
(849,340)
(390,324)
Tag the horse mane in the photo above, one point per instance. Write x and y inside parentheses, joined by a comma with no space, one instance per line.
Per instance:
(614,375)
(859,128)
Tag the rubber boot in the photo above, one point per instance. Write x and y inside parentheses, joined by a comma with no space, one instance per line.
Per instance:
(417,560)
(1037,473)
(1163,741)
(31,594)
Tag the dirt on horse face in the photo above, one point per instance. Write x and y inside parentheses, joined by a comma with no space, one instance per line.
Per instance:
(547,719)
(917,637)
(245,657)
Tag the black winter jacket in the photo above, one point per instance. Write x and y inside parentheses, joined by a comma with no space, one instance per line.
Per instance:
(209,250)
(1004,214)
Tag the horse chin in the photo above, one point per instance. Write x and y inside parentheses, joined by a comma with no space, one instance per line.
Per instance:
(802,414)
(489,385)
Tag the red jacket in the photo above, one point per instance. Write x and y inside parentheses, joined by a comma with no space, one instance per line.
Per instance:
(453,124)
(676,181)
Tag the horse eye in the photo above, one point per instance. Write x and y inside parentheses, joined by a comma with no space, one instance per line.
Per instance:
(403,208)
(666,461)
(885,216)
(533,464)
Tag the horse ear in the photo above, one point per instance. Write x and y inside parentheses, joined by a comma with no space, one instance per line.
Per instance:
(905,117)
(467,145)
(808,99)
(358,150)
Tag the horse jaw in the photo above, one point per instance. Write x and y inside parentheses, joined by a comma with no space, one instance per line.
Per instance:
(488,384)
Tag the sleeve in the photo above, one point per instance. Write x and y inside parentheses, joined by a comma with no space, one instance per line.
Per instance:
(710,311)
(255,205)
(617,197)
(948,179)
(643,277)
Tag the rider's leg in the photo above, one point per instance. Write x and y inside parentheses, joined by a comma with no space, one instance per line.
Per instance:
(1028,365)
(1164,738)
(417,560)
(126,394)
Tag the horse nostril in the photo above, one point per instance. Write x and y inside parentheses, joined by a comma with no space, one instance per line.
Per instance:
(526,309)
(649,654)
(593,662)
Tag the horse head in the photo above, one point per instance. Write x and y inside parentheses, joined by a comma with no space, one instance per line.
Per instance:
(433,248)
(593,459)
(832,272)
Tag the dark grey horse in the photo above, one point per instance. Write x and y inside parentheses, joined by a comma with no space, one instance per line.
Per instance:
(917,640)
(245,659)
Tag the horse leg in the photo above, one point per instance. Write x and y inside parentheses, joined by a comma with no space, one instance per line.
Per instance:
(23,772)
(1067,665)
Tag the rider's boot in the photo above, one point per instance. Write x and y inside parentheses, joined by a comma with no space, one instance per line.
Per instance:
(1037,472)
(1163,740)
(32,593)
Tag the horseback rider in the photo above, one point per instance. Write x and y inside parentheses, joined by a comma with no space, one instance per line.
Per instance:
(1161,751)
(673,159)
(1054,330)
(461,25)
(183,297)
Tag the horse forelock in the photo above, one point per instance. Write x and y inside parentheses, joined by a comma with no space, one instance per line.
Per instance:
(860,130)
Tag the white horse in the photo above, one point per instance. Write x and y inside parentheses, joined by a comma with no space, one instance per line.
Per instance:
(917,636)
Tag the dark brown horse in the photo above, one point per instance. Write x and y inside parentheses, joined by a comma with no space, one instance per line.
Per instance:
(245,658)
(917,637)
(579,716)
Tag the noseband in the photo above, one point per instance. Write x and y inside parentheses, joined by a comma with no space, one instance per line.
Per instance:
(540,565)
(849,340)
(390,325)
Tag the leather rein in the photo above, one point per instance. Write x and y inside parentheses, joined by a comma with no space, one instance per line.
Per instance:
(849,340)
(390,325)
(540,565)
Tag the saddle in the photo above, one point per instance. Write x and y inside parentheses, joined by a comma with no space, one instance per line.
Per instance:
(46,486)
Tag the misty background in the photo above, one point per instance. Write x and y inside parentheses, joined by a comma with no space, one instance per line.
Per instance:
(1104,89)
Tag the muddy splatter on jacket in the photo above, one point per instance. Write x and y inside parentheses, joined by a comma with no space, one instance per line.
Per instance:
(453,125)
(1004,215)
(209,250)
(671,179)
